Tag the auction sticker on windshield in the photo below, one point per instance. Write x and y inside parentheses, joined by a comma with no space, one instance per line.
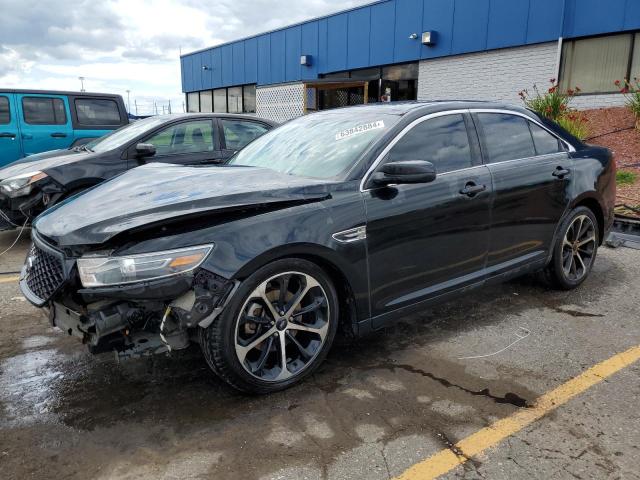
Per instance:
(357,130)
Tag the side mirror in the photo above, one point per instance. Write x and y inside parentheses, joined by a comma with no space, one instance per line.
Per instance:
(409,171)
(145,150)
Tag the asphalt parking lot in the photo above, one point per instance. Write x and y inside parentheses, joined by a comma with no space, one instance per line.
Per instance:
(374,409)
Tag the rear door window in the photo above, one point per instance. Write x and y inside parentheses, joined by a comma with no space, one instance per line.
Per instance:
(239,133)
(186,137)
(5,113)
(505,137)
(544,142)
(97,111)
(442,140)
(44,111)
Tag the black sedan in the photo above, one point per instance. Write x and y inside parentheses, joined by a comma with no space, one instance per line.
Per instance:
(349,218)
(30,185)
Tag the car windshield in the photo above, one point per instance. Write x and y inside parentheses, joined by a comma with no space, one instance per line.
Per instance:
(320,145)
(123,135)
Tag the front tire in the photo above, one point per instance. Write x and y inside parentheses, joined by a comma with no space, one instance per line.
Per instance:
(276,329)
(575,249)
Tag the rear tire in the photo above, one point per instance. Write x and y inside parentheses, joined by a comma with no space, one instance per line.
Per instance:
(575,249)
(276,329)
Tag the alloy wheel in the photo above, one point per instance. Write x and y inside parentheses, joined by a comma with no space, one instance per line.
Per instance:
(282,326)
(578,248)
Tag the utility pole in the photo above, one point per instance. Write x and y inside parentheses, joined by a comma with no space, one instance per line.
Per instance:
(81,83)
(128,102)
(169,105)
(135,102)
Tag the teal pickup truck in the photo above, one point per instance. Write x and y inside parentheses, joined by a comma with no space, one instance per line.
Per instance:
(34,121)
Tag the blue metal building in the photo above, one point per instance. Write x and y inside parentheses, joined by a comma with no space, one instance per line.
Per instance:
(357,44)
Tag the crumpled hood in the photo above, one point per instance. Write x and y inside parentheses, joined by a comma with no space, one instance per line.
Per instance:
(43,161)
(156,192)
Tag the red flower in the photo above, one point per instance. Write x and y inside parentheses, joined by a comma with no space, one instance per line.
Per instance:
(552,80)
(624,90)
(552,90)
(617,83)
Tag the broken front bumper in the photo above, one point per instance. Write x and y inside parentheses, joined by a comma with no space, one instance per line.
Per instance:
(138,317)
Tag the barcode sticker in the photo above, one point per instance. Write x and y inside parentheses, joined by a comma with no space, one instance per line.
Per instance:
(358,129)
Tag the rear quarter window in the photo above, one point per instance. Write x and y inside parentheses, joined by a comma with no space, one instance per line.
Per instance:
(97,112)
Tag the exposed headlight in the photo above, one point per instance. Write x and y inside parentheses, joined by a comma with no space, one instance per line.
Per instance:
(105,271)
(21,185)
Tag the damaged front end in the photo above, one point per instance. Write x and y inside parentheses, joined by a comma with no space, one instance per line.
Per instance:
(24,197)
(123,304)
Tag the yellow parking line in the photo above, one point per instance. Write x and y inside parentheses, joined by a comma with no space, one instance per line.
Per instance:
(12,279)
(446,460)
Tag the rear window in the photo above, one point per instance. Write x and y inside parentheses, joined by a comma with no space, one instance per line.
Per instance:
(5,114)
(96,111)
(43,111)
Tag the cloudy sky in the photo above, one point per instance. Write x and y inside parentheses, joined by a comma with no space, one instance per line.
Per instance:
(120,45)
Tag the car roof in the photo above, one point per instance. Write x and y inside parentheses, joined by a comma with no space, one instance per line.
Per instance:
(403,108)
(57,92)
(179,116)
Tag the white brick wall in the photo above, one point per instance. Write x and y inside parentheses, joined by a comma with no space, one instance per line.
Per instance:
(498,75)
(585,102)
(280,102)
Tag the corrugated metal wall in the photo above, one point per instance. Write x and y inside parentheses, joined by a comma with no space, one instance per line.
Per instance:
(378,34)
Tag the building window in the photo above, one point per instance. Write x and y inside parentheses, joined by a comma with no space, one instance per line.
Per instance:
(635,60)
(249,99)
(392,83)
(594,64)
(206,101)
(223,100)
(193,102)
(220,100)
(234,99)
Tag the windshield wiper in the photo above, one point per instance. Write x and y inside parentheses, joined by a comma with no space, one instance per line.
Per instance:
(86,148)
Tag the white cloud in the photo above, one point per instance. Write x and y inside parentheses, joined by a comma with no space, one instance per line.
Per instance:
(120,45)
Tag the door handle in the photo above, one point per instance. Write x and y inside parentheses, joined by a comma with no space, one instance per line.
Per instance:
(7,135)
(561,172)
(27,136)
(471,189)
(58,135)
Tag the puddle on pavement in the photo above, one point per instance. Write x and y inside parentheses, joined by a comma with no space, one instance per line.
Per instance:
(26,382)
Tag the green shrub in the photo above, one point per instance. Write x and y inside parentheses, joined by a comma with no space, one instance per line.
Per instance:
(632,93)
(555,105)
(625,177)
(576,124)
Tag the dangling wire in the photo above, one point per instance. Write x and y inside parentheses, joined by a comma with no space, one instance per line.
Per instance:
(167,312)
(521,334)
(17,238)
